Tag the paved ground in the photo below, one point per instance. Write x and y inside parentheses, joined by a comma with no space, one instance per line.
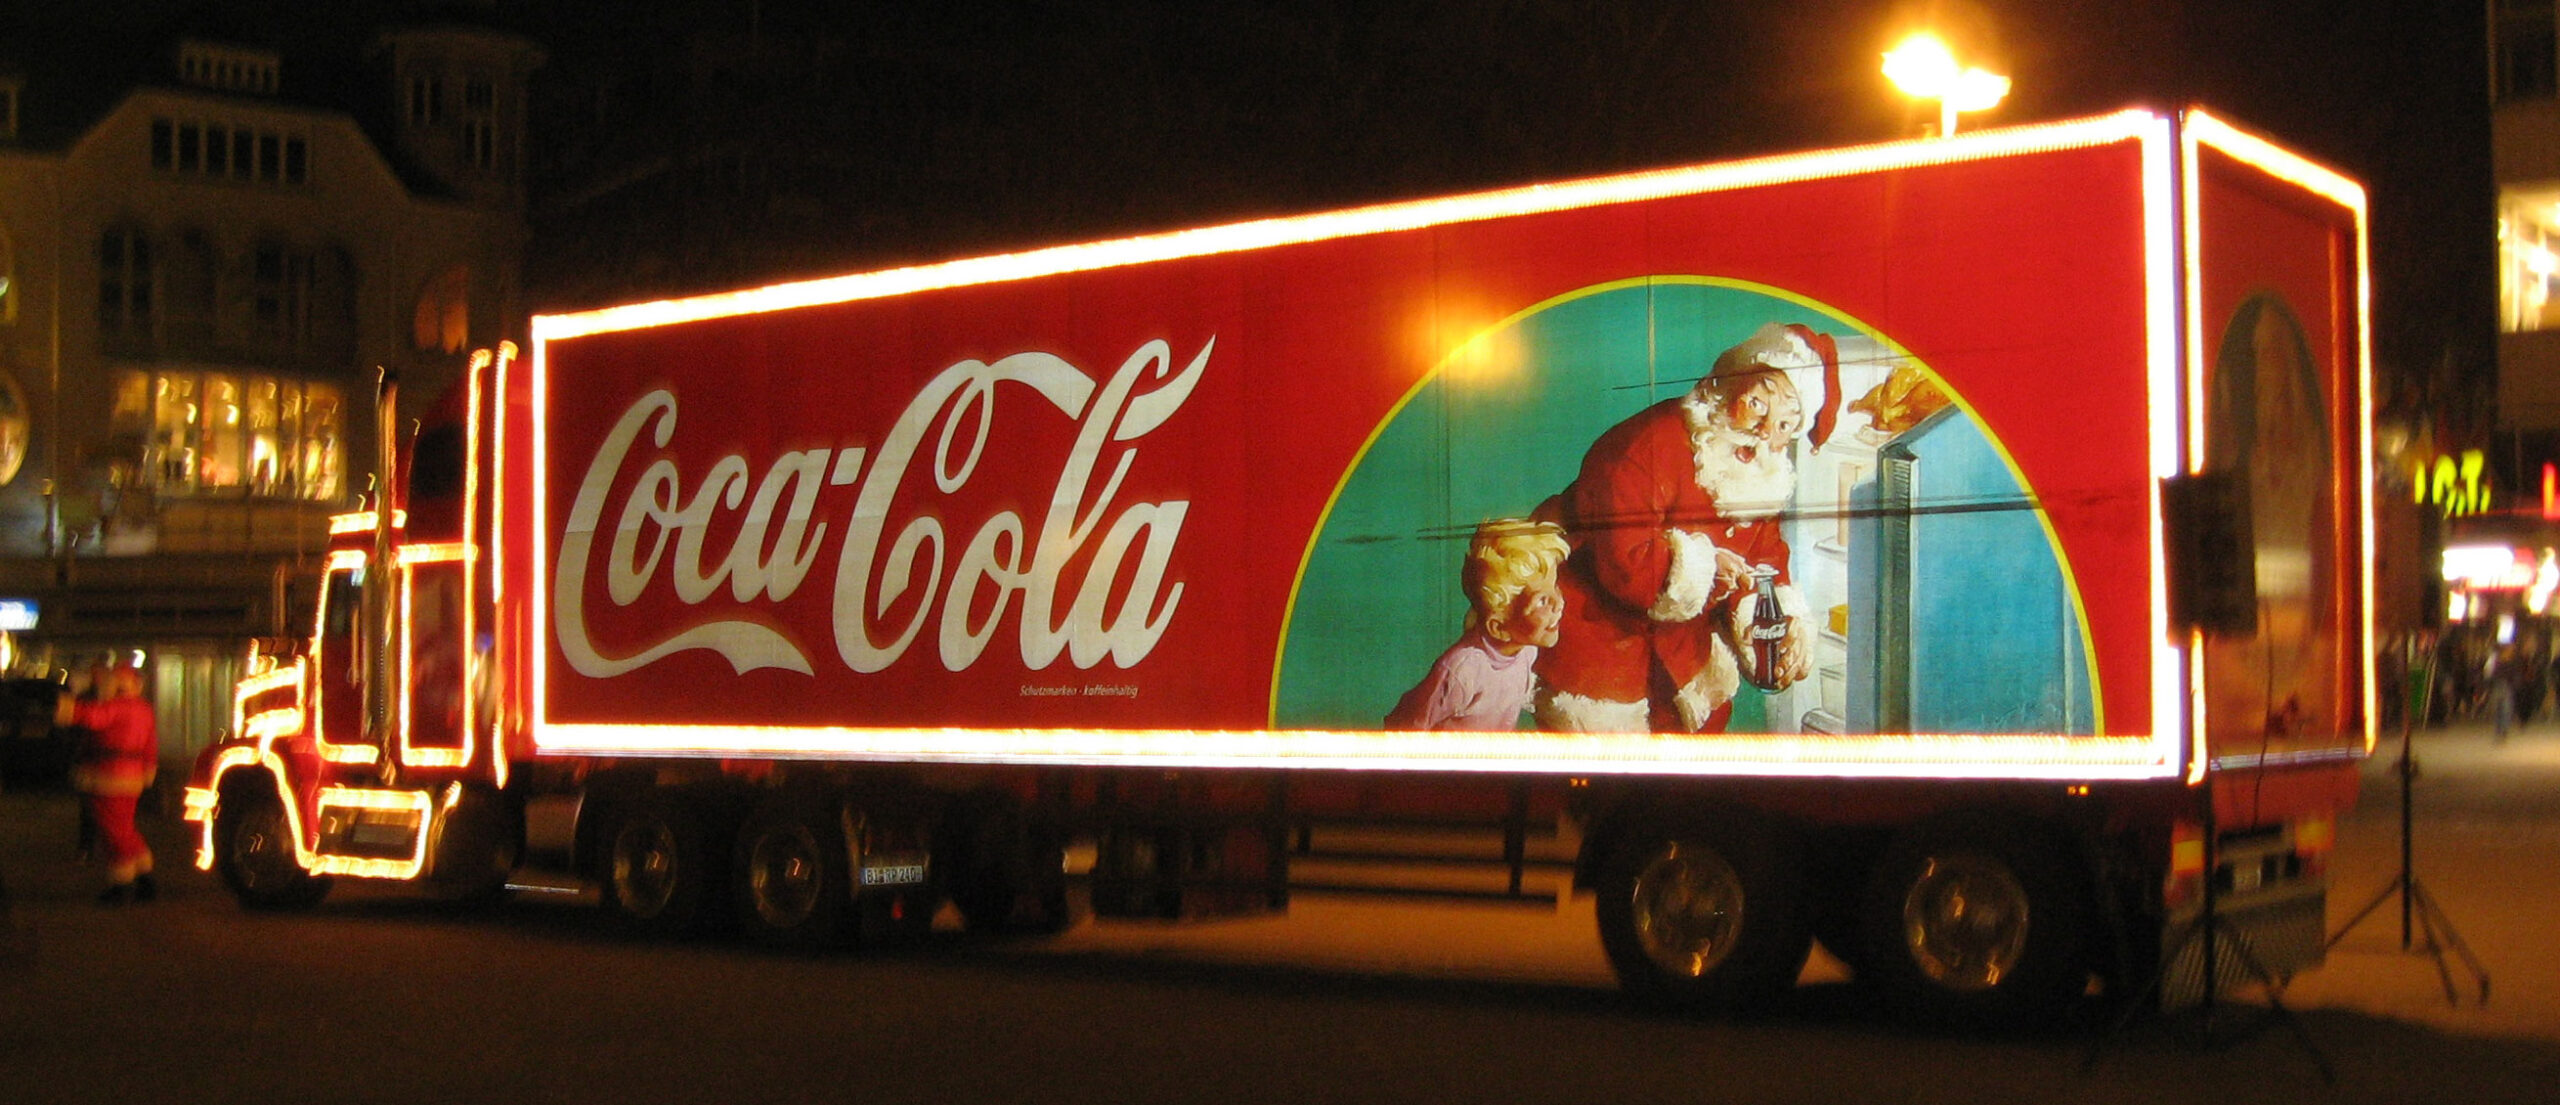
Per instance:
(379,997)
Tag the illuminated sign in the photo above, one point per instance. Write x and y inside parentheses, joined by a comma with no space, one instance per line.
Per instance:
(2454,484)
(17,614)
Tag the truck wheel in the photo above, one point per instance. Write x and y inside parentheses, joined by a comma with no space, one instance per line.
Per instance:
(794,887)
(253,852)
(1703,914)
(1978,922)
(663,874)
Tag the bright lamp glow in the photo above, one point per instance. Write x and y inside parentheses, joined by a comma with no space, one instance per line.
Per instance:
(1923,67)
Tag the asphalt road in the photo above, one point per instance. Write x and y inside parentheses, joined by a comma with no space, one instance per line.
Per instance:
(382,997)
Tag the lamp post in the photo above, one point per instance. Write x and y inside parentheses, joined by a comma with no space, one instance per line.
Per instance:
(1923,67)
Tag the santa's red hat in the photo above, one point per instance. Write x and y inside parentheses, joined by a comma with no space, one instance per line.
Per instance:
(1799,351)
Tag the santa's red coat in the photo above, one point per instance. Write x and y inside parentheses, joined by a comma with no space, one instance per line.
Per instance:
(1635,516)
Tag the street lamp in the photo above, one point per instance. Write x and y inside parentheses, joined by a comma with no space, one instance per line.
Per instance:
(1923,67)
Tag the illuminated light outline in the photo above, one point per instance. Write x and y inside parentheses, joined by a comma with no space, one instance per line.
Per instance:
(2035,756)
(361,521)
(498,653)
(202,802)
(342,560)
(2204,129)
(262,726)
(1892,350)
(266,725)
(1352,222)
(2029,756)
(434,552)
(2199,755)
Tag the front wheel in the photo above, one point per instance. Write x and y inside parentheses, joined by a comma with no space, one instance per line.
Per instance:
(254,854)
(663,873)
(1703,913)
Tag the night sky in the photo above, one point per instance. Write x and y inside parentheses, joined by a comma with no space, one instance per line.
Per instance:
(685,145)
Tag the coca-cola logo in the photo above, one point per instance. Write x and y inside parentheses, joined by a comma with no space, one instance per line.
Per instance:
(645,523)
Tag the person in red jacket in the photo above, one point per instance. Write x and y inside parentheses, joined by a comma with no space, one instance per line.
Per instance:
(122,757)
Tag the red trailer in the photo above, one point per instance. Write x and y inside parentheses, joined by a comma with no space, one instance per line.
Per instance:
(1955,551)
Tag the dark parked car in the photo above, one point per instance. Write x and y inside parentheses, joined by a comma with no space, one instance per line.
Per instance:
(33,750)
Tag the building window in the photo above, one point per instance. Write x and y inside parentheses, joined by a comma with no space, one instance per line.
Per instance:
(124,282)
(8,108)
(426,100)
(479,143)
(442,323)
(228,433)
(2528,259)
(232,68)
(2525,56)
(478,96)
(223,151)
(280,294)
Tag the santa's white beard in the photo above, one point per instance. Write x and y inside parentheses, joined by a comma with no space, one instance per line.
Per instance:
(1743,490)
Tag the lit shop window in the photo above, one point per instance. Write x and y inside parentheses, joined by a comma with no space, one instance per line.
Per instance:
(227,433)
(15,426)
(2528,259)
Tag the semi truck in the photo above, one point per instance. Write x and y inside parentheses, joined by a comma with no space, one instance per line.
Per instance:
(1954,551)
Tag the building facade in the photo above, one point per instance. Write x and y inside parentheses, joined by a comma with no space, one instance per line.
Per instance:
(205,266)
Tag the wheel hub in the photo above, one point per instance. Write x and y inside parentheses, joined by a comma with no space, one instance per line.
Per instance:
(1688,909)
(783,878)
(644,869)
(1965,921)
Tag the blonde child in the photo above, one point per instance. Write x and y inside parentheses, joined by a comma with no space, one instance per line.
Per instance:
(1485,680)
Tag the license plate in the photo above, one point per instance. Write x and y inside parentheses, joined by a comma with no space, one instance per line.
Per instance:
(902,874)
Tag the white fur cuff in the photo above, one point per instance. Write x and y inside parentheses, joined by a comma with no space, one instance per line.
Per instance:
(1559,712)
(1712,687)
(1691,580)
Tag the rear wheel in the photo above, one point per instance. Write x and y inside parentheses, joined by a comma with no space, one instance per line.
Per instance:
(663,873)
(793,882)
(1978,921)
(1703,913)
(254,854)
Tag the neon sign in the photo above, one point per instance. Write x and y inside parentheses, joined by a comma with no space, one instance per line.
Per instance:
(2455,485)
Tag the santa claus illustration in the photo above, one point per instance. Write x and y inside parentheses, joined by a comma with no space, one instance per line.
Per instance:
(1673,511)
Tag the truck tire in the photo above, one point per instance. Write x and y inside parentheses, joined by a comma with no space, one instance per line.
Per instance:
(254,854)
(1703,913)
(794,883)
(664,874)
(1978,922)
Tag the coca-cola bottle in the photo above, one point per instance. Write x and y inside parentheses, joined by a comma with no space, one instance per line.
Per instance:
(1767,633)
